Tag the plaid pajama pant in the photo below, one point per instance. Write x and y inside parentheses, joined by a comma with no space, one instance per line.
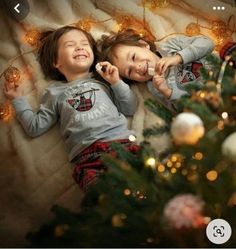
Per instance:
(88,166)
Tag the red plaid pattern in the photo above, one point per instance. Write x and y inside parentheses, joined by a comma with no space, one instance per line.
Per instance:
(85,104)
(88,166)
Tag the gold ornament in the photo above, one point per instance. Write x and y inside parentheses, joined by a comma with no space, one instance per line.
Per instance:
(12,74)
(192,29)
(32,37)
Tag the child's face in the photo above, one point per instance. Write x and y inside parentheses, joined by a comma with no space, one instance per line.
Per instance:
(75,54)
(133,61)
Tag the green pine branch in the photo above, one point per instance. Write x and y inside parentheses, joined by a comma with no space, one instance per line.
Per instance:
(159,110)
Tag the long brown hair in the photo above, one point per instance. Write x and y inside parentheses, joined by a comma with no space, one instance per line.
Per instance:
(107,44)
(48,51)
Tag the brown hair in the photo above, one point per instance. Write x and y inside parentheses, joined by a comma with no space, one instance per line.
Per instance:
(48,51)
(107,44)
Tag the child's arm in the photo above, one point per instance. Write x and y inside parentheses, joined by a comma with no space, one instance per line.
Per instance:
(34,123)
(189,48)
(125,97)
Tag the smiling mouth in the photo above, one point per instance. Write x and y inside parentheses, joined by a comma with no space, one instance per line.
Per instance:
(80,56)
(145,69)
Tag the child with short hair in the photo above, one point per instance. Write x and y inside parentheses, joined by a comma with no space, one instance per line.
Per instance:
(167,68)
(90,112)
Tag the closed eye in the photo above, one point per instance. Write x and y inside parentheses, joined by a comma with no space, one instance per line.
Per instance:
(133,57)
(69,43)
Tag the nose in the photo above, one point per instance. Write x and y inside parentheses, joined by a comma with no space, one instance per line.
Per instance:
(78,47)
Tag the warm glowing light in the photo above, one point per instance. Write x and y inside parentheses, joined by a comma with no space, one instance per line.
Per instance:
(151,162)
(6,112)
(85,24)
(212,175)
(174,158)
(32,37)
(127,191)
(192,29)
(132,138)
(224,115)
(220,125)
(178,165)
(169,164)
(202,94)
(161,168)
(12,74)
(211,73)
(198,156)
(173,170)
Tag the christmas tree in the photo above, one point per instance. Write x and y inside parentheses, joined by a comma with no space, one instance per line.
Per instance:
(164,200)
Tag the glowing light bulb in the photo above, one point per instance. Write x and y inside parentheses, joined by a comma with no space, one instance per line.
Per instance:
(151,162)
(212,175)
(132,138)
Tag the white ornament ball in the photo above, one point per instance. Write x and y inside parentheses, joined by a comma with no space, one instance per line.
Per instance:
(187,128)
(229,147)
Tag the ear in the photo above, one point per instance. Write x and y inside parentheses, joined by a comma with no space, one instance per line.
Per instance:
(144,44)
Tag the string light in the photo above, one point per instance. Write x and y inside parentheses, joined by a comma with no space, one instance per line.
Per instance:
(192,29)
(12,74)
(178,165)
(151,162)
(224,115)
(212,175)
(6,112)
(220,125)
(85,24)
(161,168)
(32,37)
(169,164)
(132,138)
(127,191)
(198,156)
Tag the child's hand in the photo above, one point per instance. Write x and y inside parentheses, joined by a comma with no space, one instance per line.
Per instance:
(13,90)
(109,72)
(166,62)
(160,84)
